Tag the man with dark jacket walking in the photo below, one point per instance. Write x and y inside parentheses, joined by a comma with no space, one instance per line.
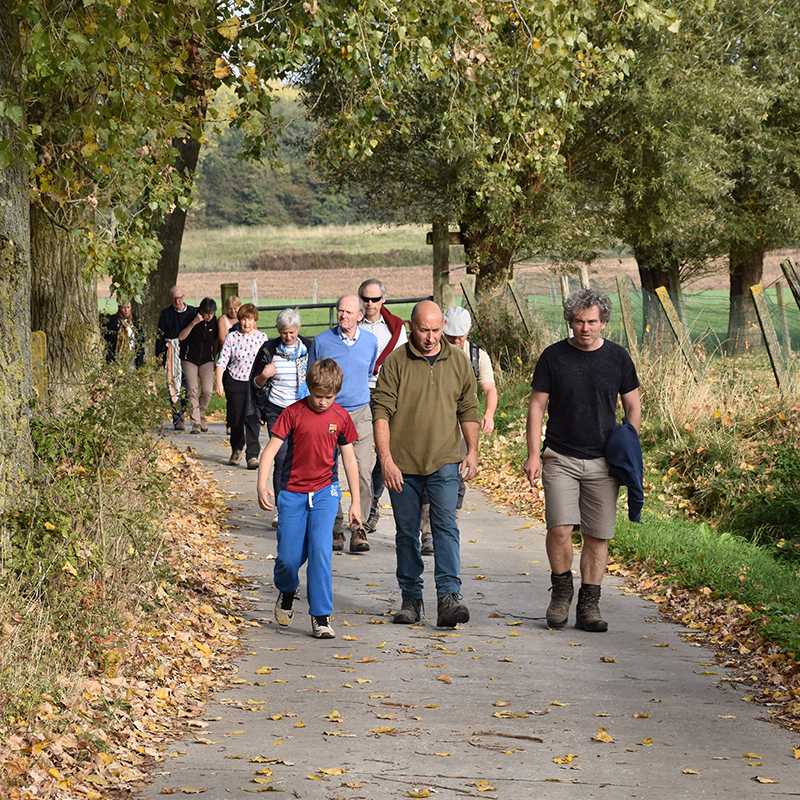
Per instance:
(578,381)
(171,321)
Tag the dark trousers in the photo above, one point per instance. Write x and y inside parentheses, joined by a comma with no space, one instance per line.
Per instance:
(245,425)
(179,408)
(272,412)
(377,486)
(225,381)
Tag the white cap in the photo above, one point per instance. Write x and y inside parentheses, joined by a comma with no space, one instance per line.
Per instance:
(457,321)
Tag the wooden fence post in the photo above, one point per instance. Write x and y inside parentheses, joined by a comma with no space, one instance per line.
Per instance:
(627,317)
(679,331)
(584,269)
(792,279)
(564,296)
(787,336)
(522,308)
(39,365)
(770,337)
(227,290)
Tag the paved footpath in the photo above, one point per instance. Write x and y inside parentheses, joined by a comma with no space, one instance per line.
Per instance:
(392,711)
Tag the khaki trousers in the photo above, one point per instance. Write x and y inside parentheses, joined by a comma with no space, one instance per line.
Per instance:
(199,385)
(365,456)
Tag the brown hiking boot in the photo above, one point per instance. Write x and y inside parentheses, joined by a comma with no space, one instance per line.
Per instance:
(427,544)
(450,611)
(587,615)
(358,541)
(561,593)
(338,541)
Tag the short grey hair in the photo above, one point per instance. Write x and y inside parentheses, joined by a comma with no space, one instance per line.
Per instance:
(288,318)
(371,282)
(361,306)
(581,299)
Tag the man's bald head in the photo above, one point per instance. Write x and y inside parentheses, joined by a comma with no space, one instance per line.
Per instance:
(349,312)
(176,296)
(427,324)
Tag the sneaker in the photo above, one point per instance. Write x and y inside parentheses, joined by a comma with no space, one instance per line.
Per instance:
(321,628)
(411,611)
(252,463)
(195,428)
(283,609)
(587,614)
(275,522)
(427,544)
(450,611)
(236,457)
(358,541)
(338,541)
(561,593)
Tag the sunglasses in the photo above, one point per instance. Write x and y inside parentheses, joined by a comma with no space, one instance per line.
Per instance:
(371,299)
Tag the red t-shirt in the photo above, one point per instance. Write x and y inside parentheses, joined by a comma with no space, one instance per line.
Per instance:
(313,440)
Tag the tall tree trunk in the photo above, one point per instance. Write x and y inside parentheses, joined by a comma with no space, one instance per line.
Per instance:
(170,234)
(15,273)
(657,268)
(63,303)
(486,254)
(746,266)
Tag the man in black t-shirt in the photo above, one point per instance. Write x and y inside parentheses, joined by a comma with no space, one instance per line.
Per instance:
(171,321)
(577,381)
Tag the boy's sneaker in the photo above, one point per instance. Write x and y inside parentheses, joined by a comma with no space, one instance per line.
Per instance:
(321,628)
(283,609)
(451,611)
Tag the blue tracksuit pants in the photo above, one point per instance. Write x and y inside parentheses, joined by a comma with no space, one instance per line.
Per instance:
(305,533)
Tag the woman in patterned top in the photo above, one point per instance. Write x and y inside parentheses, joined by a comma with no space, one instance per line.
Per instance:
(238,353)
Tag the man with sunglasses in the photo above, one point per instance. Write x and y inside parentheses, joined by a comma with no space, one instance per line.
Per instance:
(390,332)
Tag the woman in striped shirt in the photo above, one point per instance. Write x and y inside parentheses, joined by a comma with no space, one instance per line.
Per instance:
(238,354)
(279,377)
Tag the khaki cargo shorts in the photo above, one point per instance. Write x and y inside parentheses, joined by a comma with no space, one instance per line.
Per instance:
(579,491)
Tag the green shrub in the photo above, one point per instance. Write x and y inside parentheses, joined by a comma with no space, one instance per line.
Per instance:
(78,547)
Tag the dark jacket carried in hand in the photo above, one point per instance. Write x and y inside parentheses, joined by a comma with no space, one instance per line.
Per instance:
(623,452)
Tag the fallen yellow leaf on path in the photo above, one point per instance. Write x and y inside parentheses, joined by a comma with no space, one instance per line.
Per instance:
(332,771)
(421,791)
(565,759)
(444,679)
(264,671)
(689,771)
(602,735)
(765,779)
(483,785)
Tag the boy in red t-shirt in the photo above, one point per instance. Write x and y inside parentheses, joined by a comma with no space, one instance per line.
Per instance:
(315,429)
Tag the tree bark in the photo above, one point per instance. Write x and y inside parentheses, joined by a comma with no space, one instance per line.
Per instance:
(486,255)
(15,272)
(63,303)
(170,234)
(746,267)
(657,268)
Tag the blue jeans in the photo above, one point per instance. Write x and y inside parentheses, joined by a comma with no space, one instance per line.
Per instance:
(441,488)
(305,533)
(377,486)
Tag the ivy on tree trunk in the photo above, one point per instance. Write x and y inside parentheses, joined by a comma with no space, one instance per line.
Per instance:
(15,270)
(63,301)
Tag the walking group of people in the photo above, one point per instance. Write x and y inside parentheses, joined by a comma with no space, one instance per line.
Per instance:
(398,410)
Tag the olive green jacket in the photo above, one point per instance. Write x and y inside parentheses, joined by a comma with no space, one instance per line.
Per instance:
(424,404)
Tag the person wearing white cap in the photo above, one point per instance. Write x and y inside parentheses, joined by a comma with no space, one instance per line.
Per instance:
(457,325)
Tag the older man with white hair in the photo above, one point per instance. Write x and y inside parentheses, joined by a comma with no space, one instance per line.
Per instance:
(356,352)
(171,321)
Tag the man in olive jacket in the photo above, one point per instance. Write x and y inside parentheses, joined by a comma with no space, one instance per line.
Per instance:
(425,408)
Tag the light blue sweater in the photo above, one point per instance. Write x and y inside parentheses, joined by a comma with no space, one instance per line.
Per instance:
(357,362)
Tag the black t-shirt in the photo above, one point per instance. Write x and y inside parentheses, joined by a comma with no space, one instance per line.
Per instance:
(199,345)
(170,323)
(583,386)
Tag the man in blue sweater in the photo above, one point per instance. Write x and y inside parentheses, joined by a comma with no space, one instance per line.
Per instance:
(355,351)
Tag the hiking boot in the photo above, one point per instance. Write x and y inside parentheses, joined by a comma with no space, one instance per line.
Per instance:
(410,612)
(587,615)
(371,524)
(252,463)
(427,544)
(195,428)
(321,628)
(338,541)
(283,609)
(236,457)
(179,425)
(561,593)
(204,427)
(358,541)
(450,611)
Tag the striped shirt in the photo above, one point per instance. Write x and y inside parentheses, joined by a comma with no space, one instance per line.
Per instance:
(239,353)
(285,384)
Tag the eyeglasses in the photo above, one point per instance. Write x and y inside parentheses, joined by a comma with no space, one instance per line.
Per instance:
(371,299)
